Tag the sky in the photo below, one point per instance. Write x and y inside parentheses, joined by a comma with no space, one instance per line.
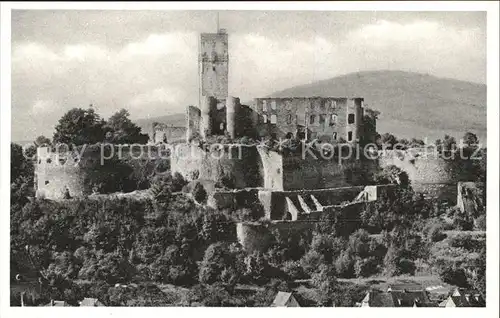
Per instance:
(146,61)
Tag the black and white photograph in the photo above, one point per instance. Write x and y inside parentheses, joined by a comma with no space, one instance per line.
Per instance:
(264,156)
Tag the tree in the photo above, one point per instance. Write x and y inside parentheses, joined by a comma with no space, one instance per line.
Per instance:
(388,140)
(121,130)
(325,282)
(392,175)
(22,173)
(178,182)
(42,141)
(161,190)
(470,140)
(449,144)
(79,127)
(257,268)
(221,263)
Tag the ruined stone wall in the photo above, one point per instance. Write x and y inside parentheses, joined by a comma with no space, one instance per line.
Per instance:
(167,134)
(433,176)
(419,168)
(276,207)
(233,199)
(258,236)
(326,118)
(310,173)
(272,165)
(240,164)
(193,122)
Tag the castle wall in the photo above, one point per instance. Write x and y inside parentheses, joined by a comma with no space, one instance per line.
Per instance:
(311,173)
(258,236)
(238,163)
(233,199)
(272,165)
(277,206)
(419,169)
(433,176)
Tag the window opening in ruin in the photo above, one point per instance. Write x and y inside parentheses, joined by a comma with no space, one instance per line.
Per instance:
(322,119)
(264,105)
(312,105)
(273,104)
(264,118)
(333,104)
(288,216)
(274,119)
(46,182)
(334,136)
(49,160)
(311,119)
(323,105)
(289,119)
(349,136)
(333,120)
(39,161)
(350,119)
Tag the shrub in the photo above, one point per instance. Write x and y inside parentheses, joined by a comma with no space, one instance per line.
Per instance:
(406,266)
(344,265)
(453,275)
(466,242)
(178,182)
(199,193)
(480,223)
(436,233)
(365,267)
(463,222)
(311,261)
(294,270)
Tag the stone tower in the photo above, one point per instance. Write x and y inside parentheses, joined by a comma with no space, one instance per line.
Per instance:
(213,65)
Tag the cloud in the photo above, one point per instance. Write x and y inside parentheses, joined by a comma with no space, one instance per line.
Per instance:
(161,44)
(158,95)
(158,73)
(43,107)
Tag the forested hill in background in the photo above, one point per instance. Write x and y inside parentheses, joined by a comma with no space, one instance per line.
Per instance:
(411,104)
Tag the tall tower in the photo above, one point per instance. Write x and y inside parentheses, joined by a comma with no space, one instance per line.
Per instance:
(213,64)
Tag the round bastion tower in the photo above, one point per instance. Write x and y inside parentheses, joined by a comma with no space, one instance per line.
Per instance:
(208,103)
(354,119)
(232,109)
